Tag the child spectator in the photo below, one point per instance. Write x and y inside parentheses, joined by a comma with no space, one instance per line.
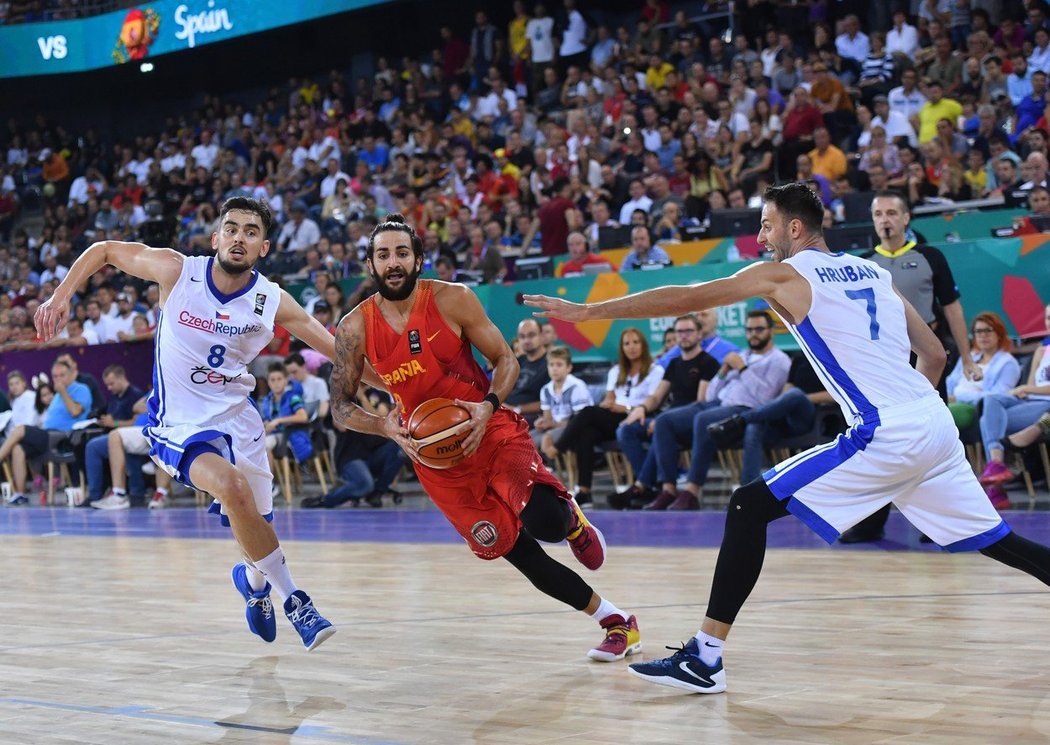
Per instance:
(562,397)
(282,407)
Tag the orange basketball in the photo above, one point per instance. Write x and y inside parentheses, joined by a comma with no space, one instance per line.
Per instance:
(439,427)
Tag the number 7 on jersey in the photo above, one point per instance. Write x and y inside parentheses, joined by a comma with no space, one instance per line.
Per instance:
(867,296)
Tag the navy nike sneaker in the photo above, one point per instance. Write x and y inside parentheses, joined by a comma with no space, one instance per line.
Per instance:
(684,669)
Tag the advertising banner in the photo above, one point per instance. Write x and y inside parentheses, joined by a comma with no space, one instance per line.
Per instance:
(1008,276)
(148,30)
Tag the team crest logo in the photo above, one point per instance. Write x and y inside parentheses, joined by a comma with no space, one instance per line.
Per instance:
(138,31)
(484,533)
(415,346)
(260,303)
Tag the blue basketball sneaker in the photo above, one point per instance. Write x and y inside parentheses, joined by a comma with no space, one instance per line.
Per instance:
(259,612)
(310,624)
(684,669)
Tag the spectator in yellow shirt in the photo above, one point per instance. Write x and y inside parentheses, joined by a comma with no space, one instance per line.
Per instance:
(656,75)
(519,41)
(828,161)
(937,107)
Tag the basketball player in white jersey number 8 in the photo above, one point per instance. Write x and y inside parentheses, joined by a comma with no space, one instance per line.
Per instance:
(857,331)
(217,314)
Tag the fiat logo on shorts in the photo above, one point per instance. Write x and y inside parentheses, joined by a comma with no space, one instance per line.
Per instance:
(484,533)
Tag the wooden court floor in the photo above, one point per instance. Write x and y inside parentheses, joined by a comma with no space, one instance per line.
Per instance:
(135,640)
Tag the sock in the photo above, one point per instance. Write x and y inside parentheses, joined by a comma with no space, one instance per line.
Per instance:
(710,648)
(607,609)
(276,571)
(255,578)
(162,491)
(117,492)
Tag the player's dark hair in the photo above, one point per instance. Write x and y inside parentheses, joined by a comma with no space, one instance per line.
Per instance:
(248,204)
(796,201)
(395,221)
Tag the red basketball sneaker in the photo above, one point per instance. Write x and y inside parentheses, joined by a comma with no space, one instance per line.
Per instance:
(585,540)
(622,638)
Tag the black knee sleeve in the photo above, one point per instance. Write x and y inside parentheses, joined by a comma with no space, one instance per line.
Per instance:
(546,517)
(1021,553)
(547,575)
(751,508)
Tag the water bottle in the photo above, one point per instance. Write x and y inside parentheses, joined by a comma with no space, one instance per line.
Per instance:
(733,253)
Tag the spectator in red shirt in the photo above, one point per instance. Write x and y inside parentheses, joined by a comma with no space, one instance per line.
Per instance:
(456,53)
(656,11)
(554,225)
(801,118)
(580,256)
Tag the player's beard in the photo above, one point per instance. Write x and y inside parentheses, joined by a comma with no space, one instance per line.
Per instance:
(408,286)
(234,269)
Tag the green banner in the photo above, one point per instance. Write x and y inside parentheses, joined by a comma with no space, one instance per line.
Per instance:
(598,340)
(964,226)
(304,292)
(1008,276)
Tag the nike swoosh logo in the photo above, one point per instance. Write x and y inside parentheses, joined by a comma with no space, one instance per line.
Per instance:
(709,644)
(194,279)
(684,667)
(257,438)
(431,337)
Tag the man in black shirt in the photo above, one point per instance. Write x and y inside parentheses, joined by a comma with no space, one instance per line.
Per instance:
(684,380)
(525,397)
(790,414)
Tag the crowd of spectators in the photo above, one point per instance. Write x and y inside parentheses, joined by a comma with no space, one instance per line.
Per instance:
(504,141)
(534,136)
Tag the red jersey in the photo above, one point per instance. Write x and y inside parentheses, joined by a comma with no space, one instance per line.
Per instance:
(427,360)
(484,495)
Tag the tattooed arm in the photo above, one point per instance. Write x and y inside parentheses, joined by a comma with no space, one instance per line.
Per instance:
(349,365)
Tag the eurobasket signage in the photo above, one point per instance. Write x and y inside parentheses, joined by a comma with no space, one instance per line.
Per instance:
(149,30)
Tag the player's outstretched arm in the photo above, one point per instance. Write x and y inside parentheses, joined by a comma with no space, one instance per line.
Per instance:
(349,363)
(160,265)
(762,280)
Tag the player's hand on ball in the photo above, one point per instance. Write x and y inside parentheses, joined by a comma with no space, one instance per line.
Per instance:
(398,432)
(480,413)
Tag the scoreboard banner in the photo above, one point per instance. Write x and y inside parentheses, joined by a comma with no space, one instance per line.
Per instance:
(149,30)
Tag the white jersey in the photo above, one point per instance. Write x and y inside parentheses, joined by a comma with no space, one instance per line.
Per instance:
(856,334)
(205,341)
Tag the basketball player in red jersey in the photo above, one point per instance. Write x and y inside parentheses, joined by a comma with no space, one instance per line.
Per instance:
(418,335)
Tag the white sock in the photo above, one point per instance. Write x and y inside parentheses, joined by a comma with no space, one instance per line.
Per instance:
(276,571)
(607,609)
(255,578)
(162,491)
(117,492)
(710,647)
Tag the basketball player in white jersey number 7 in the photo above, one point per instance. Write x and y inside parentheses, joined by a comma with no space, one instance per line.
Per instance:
(217,314)
(902,445)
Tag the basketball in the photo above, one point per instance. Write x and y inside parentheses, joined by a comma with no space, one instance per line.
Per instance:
(438,427)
